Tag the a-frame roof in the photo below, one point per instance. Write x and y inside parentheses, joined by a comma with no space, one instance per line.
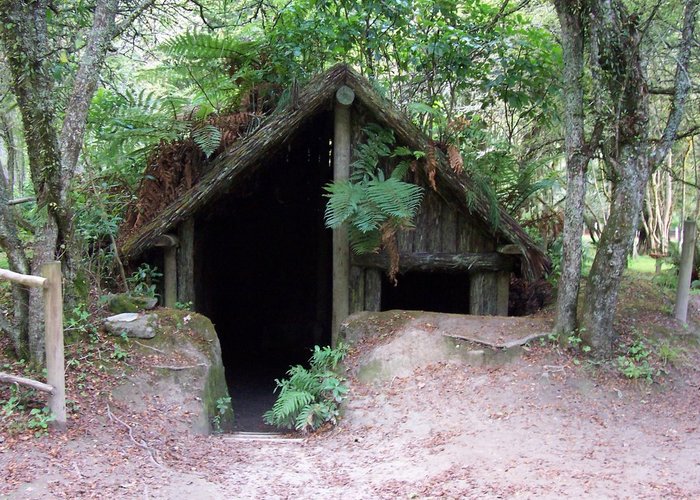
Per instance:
(315,97)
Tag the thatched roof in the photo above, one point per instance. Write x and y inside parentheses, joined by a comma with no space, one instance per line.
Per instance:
(247,153)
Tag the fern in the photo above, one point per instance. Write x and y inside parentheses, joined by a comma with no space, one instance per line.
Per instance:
(208,138)
(308,398)
(370,201)
(195,45)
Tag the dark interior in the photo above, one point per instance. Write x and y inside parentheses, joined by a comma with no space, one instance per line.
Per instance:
(424,291)
(263,260)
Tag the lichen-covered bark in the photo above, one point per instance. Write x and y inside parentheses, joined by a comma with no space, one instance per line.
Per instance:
(53,157)
(629,155)
(614,247)
(571,21)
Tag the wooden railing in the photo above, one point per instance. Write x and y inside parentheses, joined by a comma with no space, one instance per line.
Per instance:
(50,283)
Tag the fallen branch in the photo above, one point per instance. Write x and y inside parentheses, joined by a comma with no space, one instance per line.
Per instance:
(141,444)
(19,201)
(177,368)
(34,384)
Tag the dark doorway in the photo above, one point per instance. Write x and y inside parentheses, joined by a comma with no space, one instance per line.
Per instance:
(422,291)
(263,270)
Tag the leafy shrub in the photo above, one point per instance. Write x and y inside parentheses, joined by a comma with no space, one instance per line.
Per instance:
(144,280)
(309,398)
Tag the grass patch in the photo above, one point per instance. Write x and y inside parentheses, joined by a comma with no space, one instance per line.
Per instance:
(646,264)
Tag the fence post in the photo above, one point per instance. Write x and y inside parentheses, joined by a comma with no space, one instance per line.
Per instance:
(685,271)
(53,316)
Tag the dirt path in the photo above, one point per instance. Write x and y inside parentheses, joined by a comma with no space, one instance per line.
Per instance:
(540,427)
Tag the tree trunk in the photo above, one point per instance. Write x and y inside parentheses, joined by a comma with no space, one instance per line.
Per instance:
(570,19)
(17,260)
(616,36)
(52,157)
(610,261)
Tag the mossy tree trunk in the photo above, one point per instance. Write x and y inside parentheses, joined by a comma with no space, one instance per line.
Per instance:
(571,19)
(619,66)
(32,50)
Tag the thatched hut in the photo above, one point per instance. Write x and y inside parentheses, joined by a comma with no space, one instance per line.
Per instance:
(246,244)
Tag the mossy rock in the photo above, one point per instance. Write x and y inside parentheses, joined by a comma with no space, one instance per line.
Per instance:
(189,374)
(125,303)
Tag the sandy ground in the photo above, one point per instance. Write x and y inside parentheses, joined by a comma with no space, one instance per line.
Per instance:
(539,426)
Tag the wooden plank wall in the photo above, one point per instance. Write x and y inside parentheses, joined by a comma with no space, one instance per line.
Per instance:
(440,228)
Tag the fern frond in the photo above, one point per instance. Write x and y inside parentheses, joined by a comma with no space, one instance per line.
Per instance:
(208,138)
(200,45)
(343,199)
(364,242)
(396,198)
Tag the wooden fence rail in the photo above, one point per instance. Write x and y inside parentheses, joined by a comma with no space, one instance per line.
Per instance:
(50,283)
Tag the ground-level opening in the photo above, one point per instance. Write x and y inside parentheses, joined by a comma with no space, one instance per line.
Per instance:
(427,291)
(263,270)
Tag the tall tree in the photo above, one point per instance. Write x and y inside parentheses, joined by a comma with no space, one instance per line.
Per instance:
(618,69)
(54,126)
(572,19)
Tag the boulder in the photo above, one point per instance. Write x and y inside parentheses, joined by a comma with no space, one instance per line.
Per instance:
(183,373)
(135,325)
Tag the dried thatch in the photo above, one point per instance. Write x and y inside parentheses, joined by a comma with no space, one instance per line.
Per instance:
(246,154)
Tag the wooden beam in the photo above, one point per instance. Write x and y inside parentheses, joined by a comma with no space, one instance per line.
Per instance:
(488,293)
(166,240)
(23,279)
(53,317)
(341,247)
(510,249)
(34,384)
(440,262)
(19,201)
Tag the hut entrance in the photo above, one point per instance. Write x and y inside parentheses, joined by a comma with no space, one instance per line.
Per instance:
(263,271)
(427,291)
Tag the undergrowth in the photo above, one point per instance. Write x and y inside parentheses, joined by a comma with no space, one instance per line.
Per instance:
(309,398)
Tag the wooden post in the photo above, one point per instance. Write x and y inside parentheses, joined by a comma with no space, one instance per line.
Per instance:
(53,317)
(185,262)
(170,275)
(488,293)
(341,247)
(685,272)
(169,244)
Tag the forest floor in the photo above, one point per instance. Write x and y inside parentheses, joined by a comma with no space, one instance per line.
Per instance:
(545,425)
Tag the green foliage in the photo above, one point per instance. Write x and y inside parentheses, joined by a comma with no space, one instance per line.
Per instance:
(309,398)
(144,280)
(223,407)
(369,200)
(119,353)
(634,364)
(208,138)
(669,354)
(17,410)
(39,421)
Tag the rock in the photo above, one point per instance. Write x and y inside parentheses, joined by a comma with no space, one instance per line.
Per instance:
(125,303)
(188,376)
(140,326)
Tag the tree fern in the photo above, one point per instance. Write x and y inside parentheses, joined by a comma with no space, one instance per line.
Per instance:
(195,45)
(369,200)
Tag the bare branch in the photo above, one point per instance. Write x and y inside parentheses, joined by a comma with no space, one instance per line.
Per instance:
(120,28)
(682,85)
